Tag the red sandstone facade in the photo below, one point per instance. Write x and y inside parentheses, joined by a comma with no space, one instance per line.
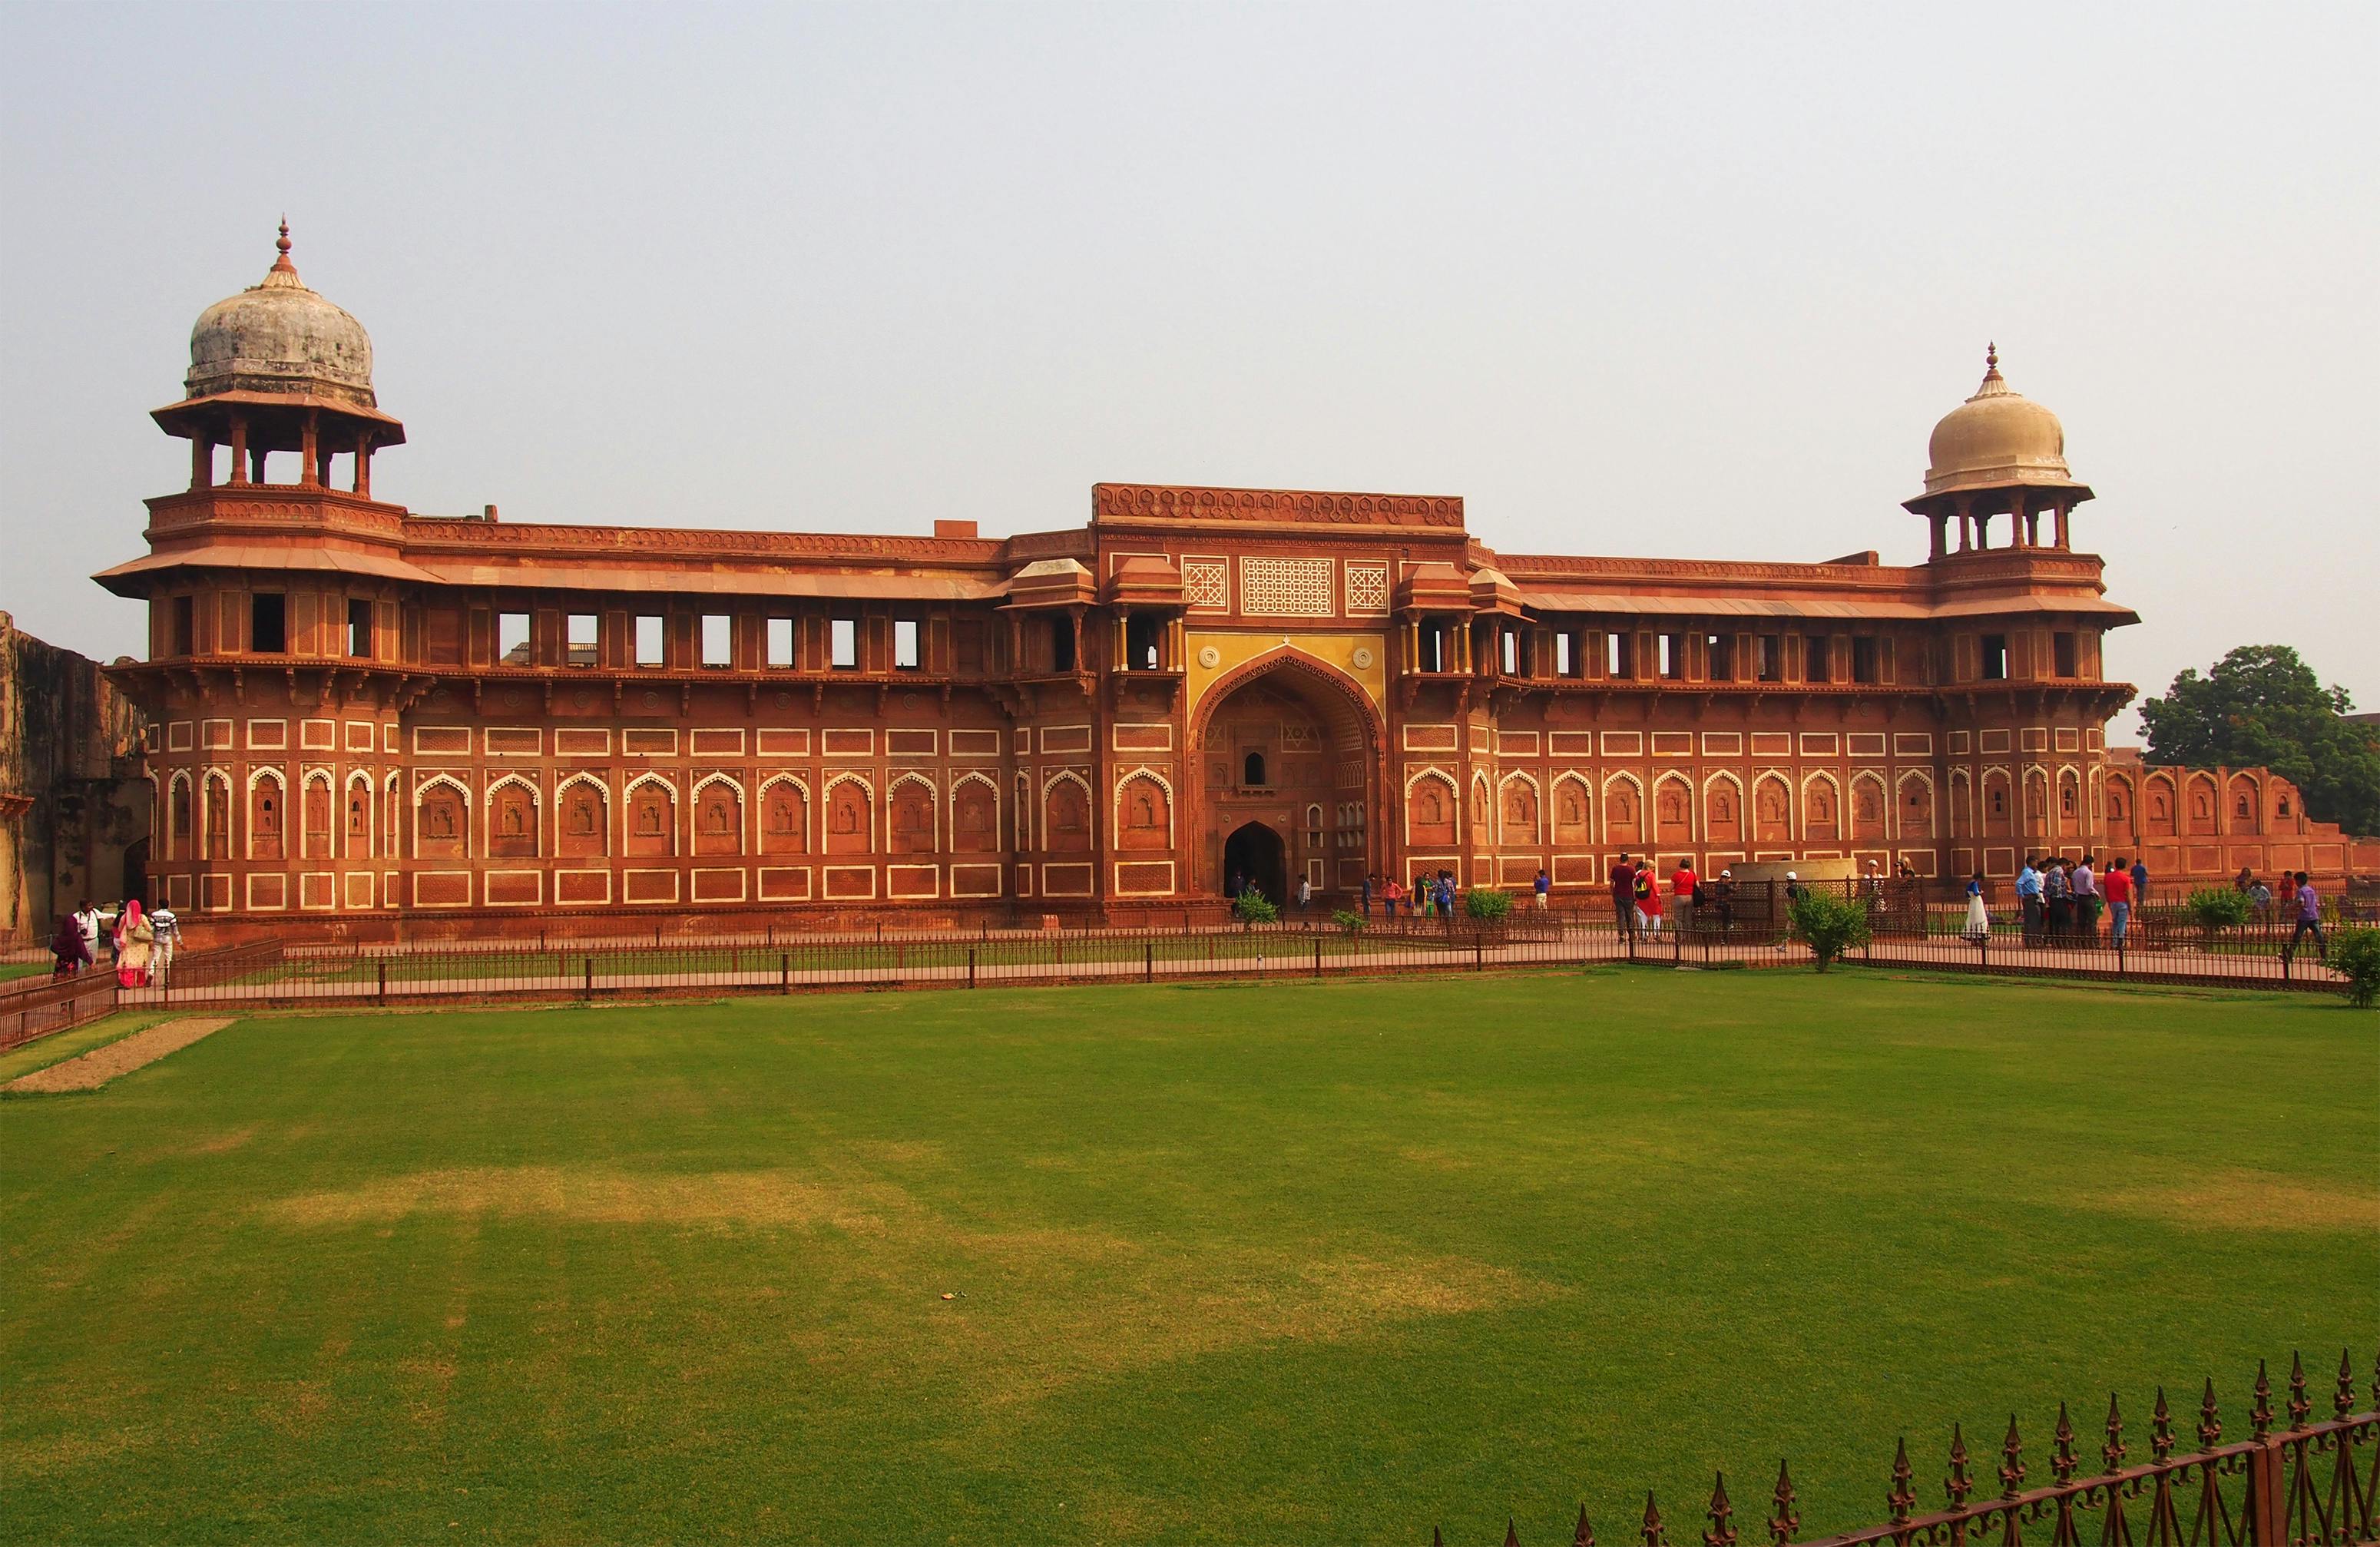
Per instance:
(366,717)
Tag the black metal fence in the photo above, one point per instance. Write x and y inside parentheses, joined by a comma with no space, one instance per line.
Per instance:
(2305,1482)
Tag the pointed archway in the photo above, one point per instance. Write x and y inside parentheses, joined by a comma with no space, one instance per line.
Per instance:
(1254,856)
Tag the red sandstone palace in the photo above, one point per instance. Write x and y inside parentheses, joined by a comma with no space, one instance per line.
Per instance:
(369,717)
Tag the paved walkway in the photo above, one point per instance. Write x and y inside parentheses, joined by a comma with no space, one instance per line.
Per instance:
(1237,954)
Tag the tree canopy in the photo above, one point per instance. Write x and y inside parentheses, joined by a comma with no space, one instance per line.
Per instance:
(2262,706)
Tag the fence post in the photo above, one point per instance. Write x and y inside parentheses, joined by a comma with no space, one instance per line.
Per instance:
(970,966)
(590,976)
(1148,961)
(383,966)
(785,971)
(1478,951)
(2267,1509)
(1318,956)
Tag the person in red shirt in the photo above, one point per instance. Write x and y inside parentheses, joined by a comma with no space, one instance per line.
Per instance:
(1648,898)
(2116,887)
(1681,894)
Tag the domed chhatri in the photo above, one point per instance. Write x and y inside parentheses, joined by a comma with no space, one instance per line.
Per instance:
(1997,438)
(2000,452)
(279,337)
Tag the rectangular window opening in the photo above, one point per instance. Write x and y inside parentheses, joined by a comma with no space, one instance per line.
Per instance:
(1772,657)
(843,644)
(1995,657)
(907,650)
(718,640)
(512,638)
(1673,657)
(181,625)
(1863,660)
(651,648)
(360,628)
(2062,654)
(581,633)
(1142,634)
(1565,654)
(1061,644)
(268,628)
(1815,665)
(1510,651)
(780,641)
(1719,650)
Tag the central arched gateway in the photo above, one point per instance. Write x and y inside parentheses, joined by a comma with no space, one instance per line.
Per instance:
(1255,855)
(1288,751)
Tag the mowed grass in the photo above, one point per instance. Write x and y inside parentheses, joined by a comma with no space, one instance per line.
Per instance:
(1303,1263)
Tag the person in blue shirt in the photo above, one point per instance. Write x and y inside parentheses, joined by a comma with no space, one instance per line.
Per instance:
(2028,900)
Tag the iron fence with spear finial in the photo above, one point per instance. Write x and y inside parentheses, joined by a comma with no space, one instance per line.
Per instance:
(2308,1483)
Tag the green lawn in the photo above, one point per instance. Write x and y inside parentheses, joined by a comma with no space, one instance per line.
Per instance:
(1296,1262)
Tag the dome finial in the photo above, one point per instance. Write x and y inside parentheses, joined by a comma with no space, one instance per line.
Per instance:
(282,263)
(1991,351)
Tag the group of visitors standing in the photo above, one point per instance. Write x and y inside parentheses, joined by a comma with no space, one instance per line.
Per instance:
(2060,900)
(1638,906)
(140,944)
(1430,896)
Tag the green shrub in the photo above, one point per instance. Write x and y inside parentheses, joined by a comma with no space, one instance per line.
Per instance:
(2217,909)
(1486,905)
(1254,907)
(2356,952)
(1349,920)
(1829,925)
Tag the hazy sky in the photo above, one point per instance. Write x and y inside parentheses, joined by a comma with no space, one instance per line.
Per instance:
(1656,279)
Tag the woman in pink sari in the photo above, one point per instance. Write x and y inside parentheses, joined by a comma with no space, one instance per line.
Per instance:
(134,936)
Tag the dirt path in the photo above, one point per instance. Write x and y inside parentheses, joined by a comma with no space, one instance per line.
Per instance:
(90,1070)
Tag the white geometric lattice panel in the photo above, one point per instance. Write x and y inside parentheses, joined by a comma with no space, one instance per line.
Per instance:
(1206,583)
(1367,588)
(1286,587)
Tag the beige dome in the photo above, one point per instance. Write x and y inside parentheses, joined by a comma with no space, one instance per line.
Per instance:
(279,337)
(1997,438)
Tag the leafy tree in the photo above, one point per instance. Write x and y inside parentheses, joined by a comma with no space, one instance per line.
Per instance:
(2262,706)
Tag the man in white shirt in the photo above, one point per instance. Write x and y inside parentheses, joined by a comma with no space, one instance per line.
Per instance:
(87,920)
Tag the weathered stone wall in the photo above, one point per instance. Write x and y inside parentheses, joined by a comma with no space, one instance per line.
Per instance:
(74,794)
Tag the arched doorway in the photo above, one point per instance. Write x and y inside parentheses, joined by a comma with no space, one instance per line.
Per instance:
(1253,856)
(1287,751)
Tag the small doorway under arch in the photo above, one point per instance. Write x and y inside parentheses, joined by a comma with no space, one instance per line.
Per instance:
(1252,856)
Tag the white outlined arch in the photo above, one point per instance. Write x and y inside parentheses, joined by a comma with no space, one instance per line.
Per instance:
(595,782)
(1125,780)
(679,842)
(176,842)
(1843,811)
(853,776)
(307,780)
(392,813)
(1694,815)
(1742,807)
(1536,794)
(1792,808)
(2048,826)
(1453,798)
(933,808)
(1849,825)
(809,810)
(745,814)
(1478,807)
(1553,804)
(281,790)
(214,776)
(1966,817)
(363,779)
(975,776)
(1899,803)
(1090,802)
(2070,777)
(488,815)
(1603,826)
(424,785)
(1024,805)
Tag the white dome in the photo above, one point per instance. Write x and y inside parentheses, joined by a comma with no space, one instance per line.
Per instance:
(279,337)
